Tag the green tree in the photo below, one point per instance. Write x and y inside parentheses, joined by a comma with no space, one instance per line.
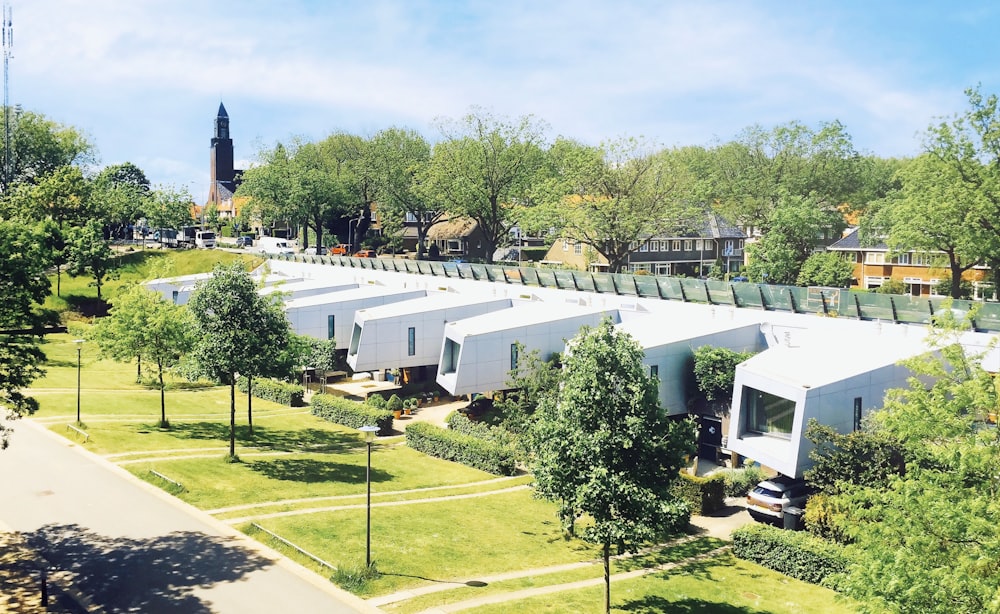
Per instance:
(532,379)
(89,253)
(927,541)
(616,196)
(826,269)
(39,146)
(120,194)
(715,371)
(141,324)
(24,287)
(794,231)
(238,331)
(604,448)
(268,185)
(483,170)
(169,207)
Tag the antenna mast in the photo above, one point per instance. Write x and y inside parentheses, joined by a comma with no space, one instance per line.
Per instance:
(8,53)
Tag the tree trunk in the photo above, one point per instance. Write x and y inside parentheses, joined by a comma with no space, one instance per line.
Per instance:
(607,577)
(421,237)
(58,280)
(232,418)
(250,403)
(956,277)
(163,402)
(138,369)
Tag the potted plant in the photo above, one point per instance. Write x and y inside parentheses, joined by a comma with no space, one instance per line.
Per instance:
(395,405)
(409,405)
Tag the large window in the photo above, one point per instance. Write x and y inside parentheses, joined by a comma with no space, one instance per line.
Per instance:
(411,341)
(768,414)
(329,327)
(450,355)
(513,357)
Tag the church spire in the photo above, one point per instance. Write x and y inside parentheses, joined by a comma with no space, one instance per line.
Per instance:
(221,124)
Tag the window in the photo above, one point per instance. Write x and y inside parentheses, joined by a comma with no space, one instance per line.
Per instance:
(699,245)
(644,247)
(663,268)
(513,356)
(352,349)
(411,341)
(874,257)
(688,245)
(768,414)
(654,371)
(675,245)
(454,245)
(857,413)
(329,327)
(578,249)
(903,259)
(175,294)
(565,245)
(449,358)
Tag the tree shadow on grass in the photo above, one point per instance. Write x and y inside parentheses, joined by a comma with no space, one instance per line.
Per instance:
(298,440)
(310,471)
(653,604)
(160,574)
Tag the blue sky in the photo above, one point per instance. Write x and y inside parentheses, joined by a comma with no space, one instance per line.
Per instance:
(144,78)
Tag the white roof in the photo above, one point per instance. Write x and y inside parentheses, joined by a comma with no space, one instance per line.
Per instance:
(349,295)
(305,285)
(675,321)
(523,314)
(432,302)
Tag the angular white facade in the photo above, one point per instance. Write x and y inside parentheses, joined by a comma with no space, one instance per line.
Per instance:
(409,334)
(477,353)
(306,287)
(331,315)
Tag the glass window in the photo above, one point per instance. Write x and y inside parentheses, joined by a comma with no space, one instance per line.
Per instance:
(768,414)
(903,259)
(857,413)
(688,245)
(329,327)
(176,294)
(675,245)
(874,257)
(565,245)
(411,341)
(578,249)
(654,371)
(355,340)
(698,245)
(513,356)
(644,247)
(449,358)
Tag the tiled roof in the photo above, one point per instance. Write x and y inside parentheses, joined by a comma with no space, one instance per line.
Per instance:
(852,242)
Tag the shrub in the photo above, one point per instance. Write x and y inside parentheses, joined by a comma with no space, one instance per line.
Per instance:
(273,390)
(740,481)
(703,495)
(351,413)
(478,453)
(394,403)
(376,400)
(793,553)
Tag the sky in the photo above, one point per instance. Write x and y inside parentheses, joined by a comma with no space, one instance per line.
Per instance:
(143,79)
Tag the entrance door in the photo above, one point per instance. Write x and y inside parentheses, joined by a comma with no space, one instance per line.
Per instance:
(709,437)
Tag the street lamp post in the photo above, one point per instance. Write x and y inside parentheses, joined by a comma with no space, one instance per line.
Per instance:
(79,349)
(369,433)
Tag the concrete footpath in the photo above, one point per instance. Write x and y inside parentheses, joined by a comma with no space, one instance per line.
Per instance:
(124,545)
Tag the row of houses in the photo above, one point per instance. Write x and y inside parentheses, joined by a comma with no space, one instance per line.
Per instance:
(467,335)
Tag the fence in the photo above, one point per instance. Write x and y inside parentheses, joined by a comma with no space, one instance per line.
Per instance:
(828,301)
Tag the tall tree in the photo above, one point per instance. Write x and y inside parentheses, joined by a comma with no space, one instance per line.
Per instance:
(616,196)
(142,324)
(930,212)
(483,169)
(39,146)
(401,160)
(603,447)
(169,207)
(795,230)
(23,287)
(237,330)
(89,253)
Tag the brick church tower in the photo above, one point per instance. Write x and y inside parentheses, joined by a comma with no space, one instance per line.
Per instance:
(223,178)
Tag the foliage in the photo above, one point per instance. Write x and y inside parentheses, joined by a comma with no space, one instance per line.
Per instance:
(703,495)
(169,207)
(483,167)
(23,288)
(715,371)
(40,145)
(862,458)
(527,383)
(794,230)
(351,413)
(394,403)
(828,269)
(945,287)
(238,331)
(89,253)
(603,447)
(274,390)
(891,286)
(377,401)
(142,324)
(793,553)
(740,481)
(355,579)
(482,454)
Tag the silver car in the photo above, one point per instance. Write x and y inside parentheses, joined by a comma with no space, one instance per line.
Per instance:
(768,500)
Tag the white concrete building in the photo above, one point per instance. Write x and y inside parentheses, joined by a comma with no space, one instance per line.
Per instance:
(409,334)
(331,315)
(306,287)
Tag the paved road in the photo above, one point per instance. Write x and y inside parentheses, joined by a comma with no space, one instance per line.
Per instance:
(132,548)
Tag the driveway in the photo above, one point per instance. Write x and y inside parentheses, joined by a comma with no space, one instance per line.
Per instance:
(129,547)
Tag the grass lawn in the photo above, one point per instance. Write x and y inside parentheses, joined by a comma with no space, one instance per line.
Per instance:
(720,585)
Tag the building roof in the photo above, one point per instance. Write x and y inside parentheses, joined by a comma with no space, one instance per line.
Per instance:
(852,242)
(432,302)
(523,314)
(698,322)
(222,111)
(452,229)
(344,296)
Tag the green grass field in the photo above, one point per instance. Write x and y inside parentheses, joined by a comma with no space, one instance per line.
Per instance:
(434,523)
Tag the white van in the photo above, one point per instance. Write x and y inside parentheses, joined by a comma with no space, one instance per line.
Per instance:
(273,245)
(204,238)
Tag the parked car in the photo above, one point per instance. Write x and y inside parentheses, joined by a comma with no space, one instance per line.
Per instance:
(341,249)
(244,241)
(477,408)
(365,253)
(309,251)
(768,500)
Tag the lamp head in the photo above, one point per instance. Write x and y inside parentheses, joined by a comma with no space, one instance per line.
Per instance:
(369,432)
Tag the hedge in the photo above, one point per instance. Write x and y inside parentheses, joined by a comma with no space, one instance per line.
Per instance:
(793,553)
(273,390)
(478,453)
(351,413)
(739,482)
(704,495)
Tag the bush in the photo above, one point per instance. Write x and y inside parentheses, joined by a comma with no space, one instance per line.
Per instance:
(740,481)
(376,400)
(351,413)
(703,495)
(478,453)
(394,403)
(273,390)
(793,553)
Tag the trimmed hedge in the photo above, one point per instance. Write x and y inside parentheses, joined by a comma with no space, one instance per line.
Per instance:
(703,495)
(273,390)
(478,453)
(793,553)
(351,413)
